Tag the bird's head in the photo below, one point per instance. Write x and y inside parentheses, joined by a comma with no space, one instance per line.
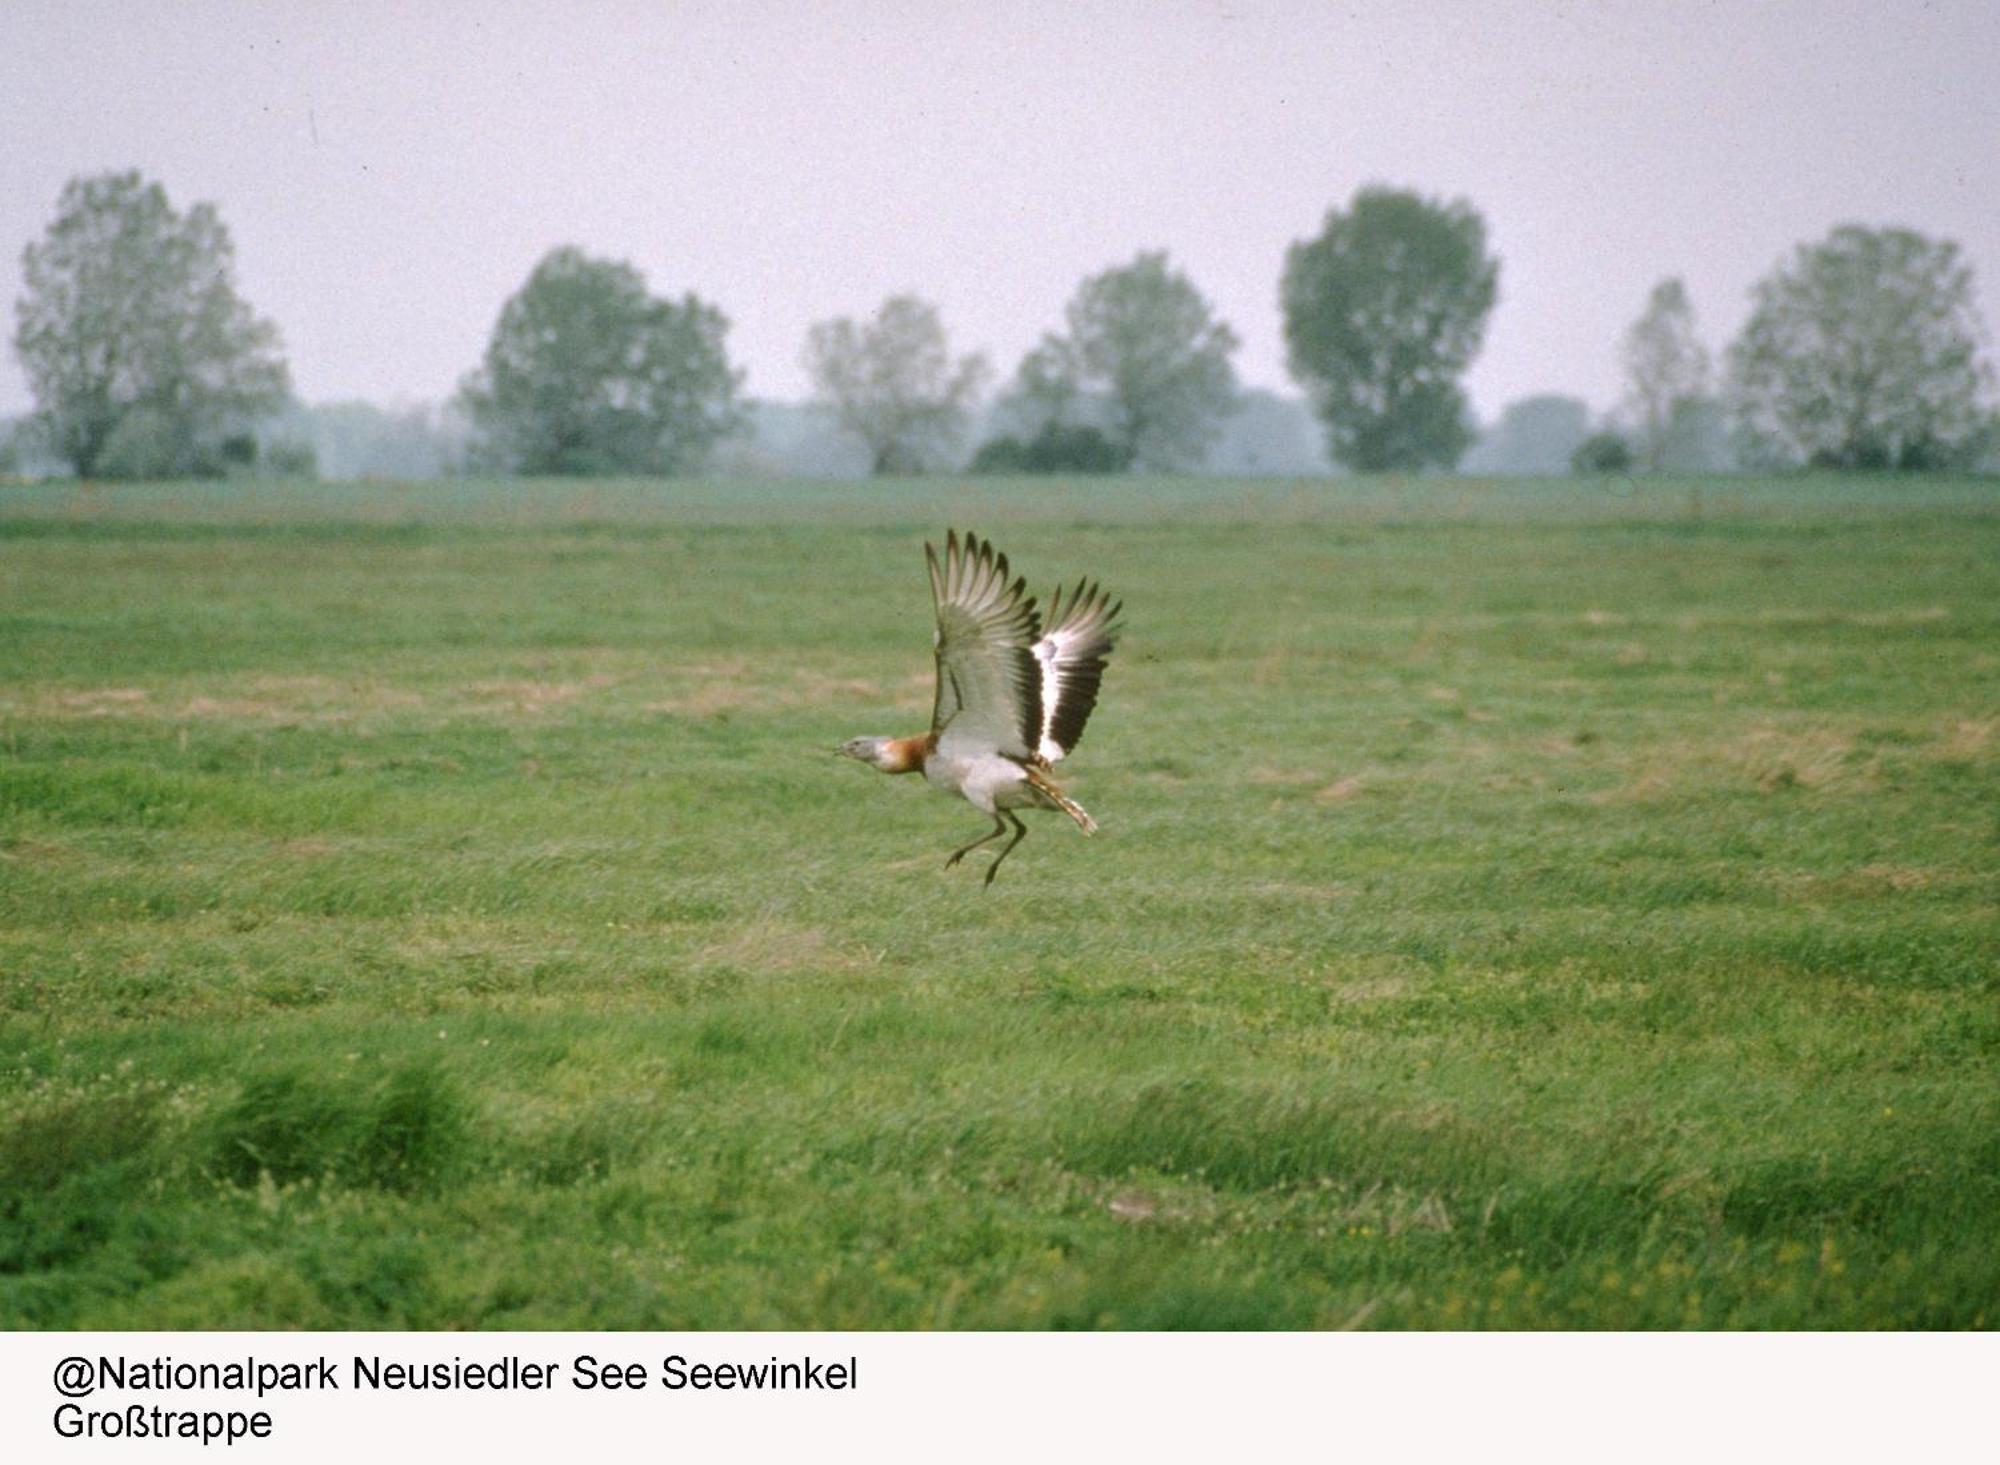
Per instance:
(872,751)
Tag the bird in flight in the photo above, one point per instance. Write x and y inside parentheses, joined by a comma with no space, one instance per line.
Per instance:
(1012,698)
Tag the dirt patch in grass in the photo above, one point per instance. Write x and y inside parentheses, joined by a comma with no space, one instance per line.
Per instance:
(37,852)
(96,702)
(1813,758)
(264,700)
(782,947)
(1769,757)
(533,698)
(1340,790)
(1868,882)
(718,688)
(1966,738)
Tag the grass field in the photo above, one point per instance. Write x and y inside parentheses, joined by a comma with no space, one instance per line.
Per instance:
(1518,905)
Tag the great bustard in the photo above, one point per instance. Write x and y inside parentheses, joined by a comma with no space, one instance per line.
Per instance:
(1012,698)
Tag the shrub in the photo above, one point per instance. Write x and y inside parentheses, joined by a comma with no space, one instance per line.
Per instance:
(1055,449)
(1602,452)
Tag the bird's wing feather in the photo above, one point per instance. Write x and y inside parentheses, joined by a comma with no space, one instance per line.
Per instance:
(989,685)
(1071,658)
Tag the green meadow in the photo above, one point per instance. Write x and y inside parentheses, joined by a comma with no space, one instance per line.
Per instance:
(1518,905)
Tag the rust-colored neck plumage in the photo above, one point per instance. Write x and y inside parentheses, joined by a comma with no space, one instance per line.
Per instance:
(906,755)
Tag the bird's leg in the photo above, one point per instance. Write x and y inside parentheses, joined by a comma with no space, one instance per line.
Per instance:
(960,853)
(1020,833)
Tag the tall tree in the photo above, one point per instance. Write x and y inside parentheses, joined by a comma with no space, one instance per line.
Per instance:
(587,373)
(142,357)
(1863,351)
(1537,435)
(1666,369)
(1047,390)
(1145,342)
(892,382)
(1384,312)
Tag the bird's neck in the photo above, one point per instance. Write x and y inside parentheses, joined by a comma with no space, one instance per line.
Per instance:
(906,755)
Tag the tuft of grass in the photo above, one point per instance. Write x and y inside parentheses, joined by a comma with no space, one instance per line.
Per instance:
(408,1131)
(1241,1138)
(74,1162)
(52,1136)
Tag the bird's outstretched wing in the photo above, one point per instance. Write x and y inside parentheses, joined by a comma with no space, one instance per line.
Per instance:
(1071,657)
(989,685)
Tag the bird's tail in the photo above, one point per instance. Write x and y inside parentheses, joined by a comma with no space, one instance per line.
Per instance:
(1062,801)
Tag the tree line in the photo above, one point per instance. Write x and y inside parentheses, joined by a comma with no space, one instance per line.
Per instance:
(1862,350)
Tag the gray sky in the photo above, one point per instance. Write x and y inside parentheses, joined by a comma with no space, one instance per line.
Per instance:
(391,172)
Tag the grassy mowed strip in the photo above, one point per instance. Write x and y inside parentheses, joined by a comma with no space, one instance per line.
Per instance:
(1518,905)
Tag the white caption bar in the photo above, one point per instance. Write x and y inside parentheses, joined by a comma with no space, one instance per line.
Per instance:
(534,1396)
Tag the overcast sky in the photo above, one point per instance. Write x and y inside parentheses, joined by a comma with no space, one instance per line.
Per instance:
(391,172)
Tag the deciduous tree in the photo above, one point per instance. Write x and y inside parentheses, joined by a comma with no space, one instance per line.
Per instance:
(142,357)
(1863,351)
(588,373)
(1047,391)
(1666,369)
(1384,312)
(1145,342)
(892,382)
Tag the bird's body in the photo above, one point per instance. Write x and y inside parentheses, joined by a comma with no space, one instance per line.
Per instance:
(1011,698)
